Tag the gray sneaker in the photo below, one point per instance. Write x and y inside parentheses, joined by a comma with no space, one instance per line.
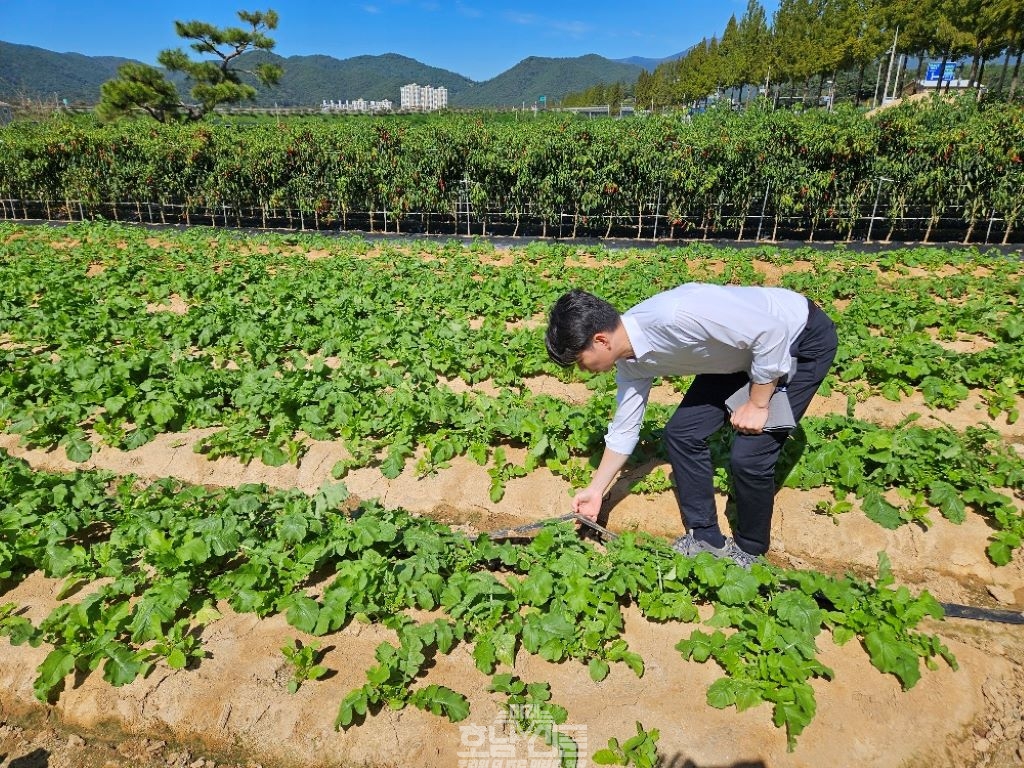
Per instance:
(691,547)
(742,558)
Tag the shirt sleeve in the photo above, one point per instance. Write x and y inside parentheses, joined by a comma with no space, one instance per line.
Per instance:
(771,353)
(631,404)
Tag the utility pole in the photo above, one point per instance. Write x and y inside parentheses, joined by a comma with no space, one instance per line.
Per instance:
(892,56)
(878,81)
(900,72)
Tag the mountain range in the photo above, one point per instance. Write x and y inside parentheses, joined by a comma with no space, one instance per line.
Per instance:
(28,72)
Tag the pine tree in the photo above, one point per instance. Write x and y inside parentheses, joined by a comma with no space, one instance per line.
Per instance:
(214,81)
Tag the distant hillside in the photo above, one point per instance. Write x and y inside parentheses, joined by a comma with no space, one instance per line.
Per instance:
(26,71)
(308,80)
(651,64)
(36,73)
(554,78)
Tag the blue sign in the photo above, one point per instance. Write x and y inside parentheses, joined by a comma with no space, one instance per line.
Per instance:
(932,73)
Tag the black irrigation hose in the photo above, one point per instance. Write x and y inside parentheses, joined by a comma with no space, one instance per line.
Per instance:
(1014,249)
(998,615)
(952,610)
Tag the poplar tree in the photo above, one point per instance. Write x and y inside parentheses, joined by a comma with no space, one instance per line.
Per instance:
(794,45)
(831,39)
(698,74)
(915,22)
(867,38)
(754,39)
(1007,18)
(730,57)
(952,36)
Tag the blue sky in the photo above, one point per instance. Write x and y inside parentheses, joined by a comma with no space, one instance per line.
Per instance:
(476,38)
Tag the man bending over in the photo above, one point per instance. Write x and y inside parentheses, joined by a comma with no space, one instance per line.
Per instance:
(729,337)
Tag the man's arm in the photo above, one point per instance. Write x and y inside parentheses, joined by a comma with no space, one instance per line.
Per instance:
(587,502)
(621,439)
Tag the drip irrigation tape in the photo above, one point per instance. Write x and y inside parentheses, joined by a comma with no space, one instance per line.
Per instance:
(997,615)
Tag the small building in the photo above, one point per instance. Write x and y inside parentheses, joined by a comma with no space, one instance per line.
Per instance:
(597,110)
(6,113)
(356,106)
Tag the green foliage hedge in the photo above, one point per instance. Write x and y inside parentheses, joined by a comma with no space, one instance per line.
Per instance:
(956,161)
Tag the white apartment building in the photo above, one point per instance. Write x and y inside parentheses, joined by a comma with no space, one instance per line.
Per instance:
(424,98)
(358,105)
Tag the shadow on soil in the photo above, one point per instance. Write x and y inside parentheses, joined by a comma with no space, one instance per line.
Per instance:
(678,761)
(37,758)
(793,450)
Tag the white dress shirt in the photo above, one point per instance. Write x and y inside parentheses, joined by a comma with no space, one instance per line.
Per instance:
(702,328)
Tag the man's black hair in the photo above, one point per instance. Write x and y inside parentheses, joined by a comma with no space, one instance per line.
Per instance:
(574,320)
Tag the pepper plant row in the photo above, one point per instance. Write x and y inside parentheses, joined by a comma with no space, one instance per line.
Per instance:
(959,161)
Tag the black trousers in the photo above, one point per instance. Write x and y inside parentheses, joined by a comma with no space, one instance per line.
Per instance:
(752,462)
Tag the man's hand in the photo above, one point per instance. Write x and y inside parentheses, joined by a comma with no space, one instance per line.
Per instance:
(749,418)
(587,503)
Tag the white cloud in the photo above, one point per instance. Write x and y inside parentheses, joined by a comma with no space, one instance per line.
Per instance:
(371,9)
(574,28)
(525,19)
(569,27)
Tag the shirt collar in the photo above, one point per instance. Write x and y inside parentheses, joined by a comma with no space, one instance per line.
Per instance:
(637,338)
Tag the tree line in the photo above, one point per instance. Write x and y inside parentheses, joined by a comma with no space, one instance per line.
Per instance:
(829,49)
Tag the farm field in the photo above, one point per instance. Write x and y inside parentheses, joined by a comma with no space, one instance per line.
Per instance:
(216,445)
